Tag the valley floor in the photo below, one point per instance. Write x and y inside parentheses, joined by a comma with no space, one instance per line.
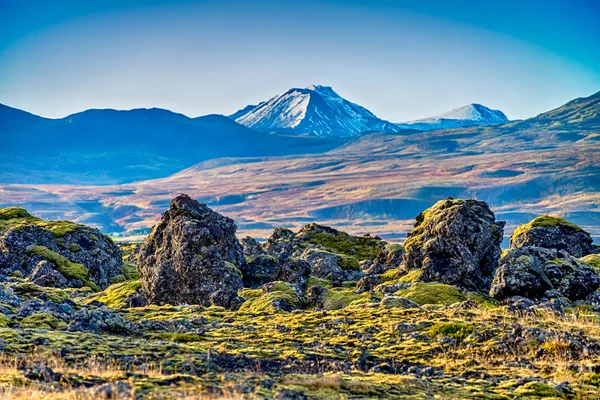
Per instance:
(466,350)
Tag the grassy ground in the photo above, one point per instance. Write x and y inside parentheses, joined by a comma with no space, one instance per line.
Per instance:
(362,351)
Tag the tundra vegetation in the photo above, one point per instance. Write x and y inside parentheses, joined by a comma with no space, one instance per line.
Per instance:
(325,315)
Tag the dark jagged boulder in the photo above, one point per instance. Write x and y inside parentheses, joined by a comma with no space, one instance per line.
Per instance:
(332,266)
(455,242)
(537,272)
(192,257)
(281,244)
(553,233)
(251,247)
(389,257)
(264,269)
(58,253)
(367,283)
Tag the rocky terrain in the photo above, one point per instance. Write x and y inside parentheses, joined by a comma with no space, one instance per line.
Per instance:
(196,311)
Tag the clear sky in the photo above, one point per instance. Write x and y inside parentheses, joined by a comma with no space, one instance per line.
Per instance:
(400,59)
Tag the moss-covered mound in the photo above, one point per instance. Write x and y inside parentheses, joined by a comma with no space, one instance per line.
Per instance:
(18,218)
(455,242)
(553,233)
(360,248)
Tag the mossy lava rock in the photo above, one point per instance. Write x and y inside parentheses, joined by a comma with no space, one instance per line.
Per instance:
(192,257)
(455,242)
(553,233)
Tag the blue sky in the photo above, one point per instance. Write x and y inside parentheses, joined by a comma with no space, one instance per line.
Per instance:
(400,59)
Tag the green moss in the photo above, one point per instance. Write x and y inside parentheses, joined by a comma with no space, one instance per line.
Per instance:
(390,275)
(539,390)
(179,337)
(411,276)
(4,321)
(233,268)
(359,247)
(452,330)
(129,272)
(593,260)
(432,293)
(544,220)
(74,247)
(312,280)
(14,212)
(69,269)
(348,263)
(114,296)
(19,218)
(16,274)
(336,299)
(42,321)
(27,290)
(279,292)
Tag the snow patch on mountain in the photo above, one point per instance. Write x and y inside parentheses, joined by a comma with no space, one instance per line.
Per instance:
(317,110)
(465,116)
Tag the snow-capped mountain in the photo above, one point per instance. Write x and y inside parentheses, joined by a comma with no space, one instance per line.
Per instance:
(316,110)
(469,115)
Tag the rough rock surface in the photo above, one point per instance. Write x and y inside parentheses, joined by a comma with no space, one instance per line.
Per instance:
(264,269)
(192,257)
(325,264)
(251,247)
(281,244)
(21,234)
(455,242)
(553,233)
(537,272)
(388,258)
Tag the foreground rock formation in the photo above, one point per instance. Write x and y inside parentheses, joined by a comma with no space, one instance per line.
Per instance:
(553,233)
(455,242)
(311,314)
(542,263)
(56,253)
(192,256)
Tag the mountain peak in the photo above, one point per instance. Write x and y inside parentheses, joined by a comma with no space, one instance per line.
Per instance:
(472,114)
(323,90)
(316,110)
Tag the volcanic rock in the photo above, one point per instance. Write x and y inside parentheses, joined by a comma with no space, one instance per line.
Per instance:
(455,242)
(192,257)
(553,233)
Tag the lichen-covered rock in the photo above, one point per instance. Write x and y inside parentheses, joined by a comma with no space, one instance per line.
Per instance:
(332,266)
(44,275)
(81,254)
(389,257)
(263,269)
(192,257)
(536,272)
(316,296)
(281,244)
(553,233)
(455,242)
(99,320)
(367,283)
(251,247)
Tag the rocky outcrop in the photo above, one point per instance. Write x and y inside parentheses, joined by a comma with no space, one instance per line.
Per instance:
(553,233)
(192,257)
(388,258)
(251,247)
(263,269)
(537,272)
(281,244)
(56,253)
(455,242)
(335,267)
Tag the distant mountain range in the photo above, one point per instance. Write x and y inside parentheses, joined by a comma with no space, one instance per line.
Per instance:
(462,117)
(110,146)
(316,110)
